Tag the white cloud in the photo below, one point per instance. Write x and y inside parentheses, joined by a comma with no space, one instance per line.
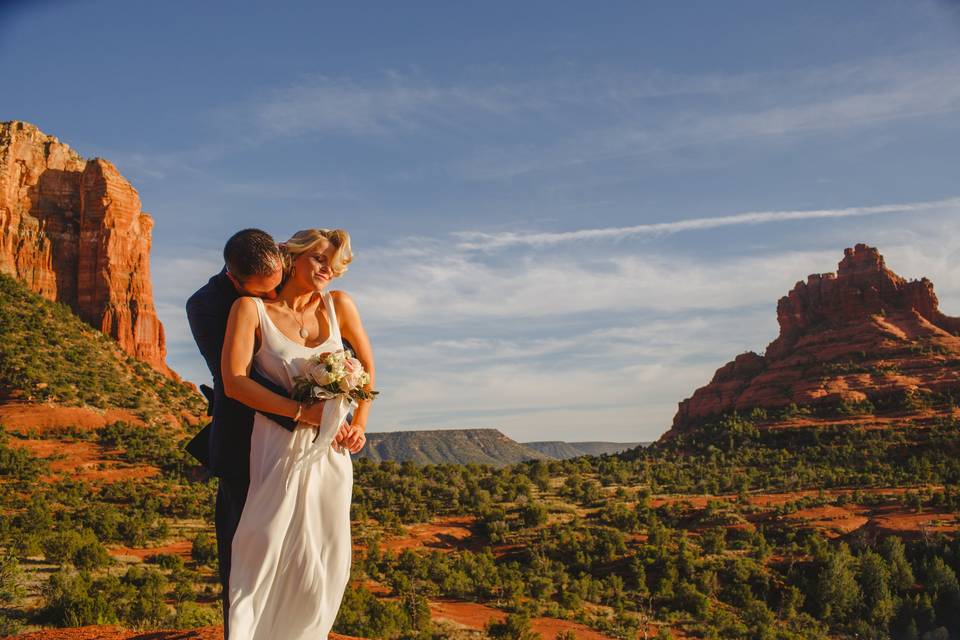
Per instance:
(453,287)
(492,241)
(398,102)
(767,106)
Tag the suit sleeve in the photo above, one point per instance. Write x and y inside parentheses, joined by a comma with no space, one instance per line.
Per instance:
(207,327)
(284,421)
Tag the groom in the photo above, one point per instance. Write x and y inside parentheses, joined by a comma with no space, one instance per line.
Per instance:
(253,267)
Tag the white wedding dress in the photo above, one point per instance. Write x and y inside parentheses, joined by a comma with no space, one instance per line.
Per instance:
(291,554)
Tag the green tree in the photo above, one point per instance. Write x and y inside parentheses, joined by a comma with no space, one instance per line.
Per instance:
(835,590)
(874,579)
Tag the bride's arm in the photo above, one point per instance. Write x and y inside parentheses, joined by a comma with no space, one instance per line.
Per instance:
(351,329)
(237,362)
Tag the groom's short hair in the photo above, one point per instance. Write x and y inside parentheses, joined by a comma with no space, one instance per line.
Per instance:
(252,252)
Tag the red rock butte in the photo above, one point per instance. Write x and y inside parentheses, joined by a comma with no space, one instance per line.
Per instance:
(72,230)
(859,335)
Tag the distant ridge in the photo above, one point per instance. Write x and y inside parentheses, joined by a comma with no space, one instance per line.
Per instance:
(462,446)
(565,450)
(480,446)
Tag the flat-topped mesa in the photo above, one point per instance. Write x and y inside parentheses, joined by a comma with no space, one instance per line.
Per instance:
(837,331)
(73,231)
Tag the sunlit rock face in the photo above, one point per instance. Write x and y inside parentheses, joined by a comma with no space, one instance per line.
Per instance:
(860,335)
(72,230)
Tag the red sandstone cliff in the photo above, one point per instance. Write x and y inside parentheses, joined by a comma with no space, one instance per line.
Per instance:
(73,231)
(861,335)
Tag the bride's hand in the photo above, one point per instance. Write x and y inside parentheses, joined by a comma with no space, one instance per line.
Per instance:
(340,437)
(355,438)
(312,414)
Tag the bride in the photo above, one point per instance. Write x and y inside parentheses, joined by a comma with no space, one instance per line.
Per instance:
(291,554)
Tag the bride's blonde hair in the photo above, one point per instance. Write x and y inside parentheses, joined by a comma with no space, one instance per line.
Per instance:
(305,240)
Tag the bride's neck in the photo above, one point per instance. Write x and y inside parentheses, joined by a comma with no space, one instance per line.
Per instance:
(297,297)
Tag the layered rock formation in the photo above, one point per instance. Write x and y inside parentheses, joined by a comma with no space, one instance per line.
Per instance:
(861,339)
(73,231)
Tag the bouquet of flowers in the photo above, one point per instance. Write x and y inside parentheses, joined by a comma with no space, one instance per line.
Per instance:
(332,374)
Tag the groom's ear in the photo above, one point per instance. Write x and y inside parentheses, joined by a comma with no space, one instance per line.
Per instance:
(233,279)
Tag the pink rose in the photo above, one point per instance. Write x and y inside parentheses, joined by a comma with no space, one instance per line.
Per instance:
(354,373)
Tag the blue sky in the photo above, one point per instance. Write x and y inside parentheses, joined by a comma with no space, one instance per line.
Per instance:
(566,216)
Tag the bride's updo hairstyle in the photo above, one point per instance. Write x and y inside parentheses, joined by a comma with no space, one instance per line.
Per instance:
(307,239)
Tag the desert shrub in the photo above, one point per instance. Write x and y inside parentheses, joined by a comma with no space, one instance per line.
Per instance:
(190,615)
(81,548)
(11,591)
(204,550)
(17,463)
(75,600)
(516,626)
(363,614)
(533,514)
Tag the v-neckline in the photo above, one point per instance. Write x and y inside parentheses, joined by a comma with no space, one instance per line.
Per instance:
(323,300)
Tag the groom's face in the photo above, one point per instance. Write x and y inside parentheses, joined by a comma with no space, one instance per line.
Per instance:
(258,286)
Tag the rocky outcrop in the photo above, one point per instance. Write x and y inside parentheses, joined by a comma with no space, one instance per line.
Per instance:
(72,230)
(855,340)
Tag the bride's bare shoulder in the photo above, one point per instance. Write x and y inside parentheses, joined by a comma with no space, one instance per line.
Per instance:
(342,301)
(244,309)
(340,294)
(341,297)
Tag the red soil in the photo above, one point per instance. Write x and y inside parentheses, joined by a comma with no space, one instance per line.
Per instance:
(376,588)
(23,415)
(475,616)
(899,520)
(696,501)
(443,534)
(771,499)
(181,548)
(83,460)
(869,422)
(893,519)
(833,521)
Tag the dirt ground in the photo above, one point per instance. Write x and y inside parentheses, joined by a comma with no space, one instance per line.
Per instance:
(181,548)
(83,461)
(23,415)
(443,534)
(475,616)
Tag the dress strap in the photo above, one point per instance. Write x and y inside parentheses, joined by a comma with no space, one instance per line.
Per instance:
(334,326)
(266,324)
(260,310)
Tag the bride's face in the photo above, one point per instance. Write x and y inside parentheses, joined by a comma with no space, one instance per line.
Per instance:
(312,268)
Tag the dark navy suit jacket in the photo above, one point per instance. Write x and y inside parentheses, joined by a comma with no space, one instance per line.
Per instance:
(232,421)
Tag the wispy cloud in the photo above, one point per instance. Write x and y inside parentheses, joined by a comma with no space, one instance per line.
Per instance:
(397,102)
(625,104)
(846,97)
(475,240)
